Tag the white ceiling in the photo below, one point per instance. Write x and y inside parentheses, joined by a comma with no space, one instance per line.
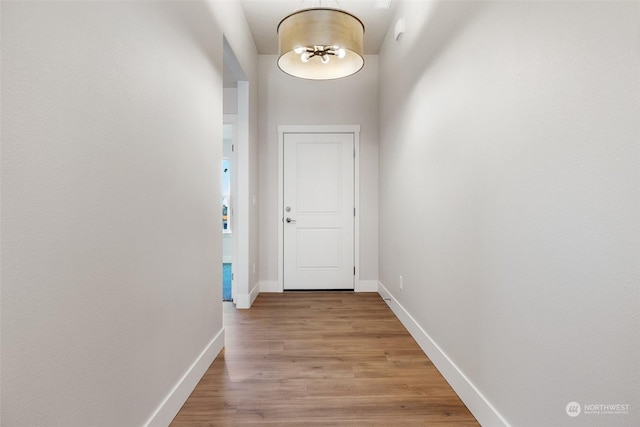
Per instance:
(264,16)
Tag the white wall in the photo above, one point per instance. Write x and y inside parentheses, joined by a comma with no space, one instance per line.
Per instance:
(230,98)
(286,100)
(509,187)
(111,146)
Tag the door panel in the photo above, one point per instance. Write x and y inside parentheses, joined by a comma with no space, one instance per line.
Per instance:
(318,248)
(318,181)
(318,209)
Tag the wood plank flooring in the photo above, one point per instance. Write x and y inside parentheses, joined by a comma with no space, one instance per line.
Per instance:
(321,359)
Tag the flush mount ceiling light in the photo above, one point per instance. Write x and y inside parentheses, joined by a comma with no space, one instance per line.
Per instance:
(320,44)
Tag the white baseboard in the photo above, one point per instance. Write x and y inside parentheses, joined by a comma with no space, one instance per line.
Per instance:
(167,410)
(270,286)
(244,301)
(366,286)
(479,406)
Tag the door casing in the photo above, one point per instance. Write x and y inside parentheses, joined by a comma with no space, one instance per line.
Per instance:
(284,129)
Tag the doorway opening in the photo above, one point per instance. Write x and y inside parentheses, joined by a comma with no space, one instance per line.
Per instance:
(235,192)
(227,191)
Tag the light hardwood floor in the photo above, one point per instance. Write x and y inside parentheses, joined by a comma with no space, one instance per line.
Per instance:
(325,359)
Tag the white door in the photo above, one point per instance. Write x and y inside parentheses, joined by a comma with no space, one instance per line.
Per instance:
(318,206)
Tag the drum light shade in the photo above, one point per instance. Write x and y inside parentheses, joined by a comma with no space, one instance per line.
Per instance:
(320,44)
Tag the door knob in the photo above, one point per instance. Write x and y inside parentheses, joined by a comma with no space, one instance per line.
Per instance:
(289,220)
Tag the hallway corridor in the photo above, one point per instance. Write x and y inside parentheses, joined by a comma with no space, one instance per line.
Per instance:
(339,359)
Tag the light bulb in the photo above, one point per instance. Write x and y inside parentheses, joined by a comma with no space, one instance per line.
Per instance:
(341,53)
(304,57)
(324,59)
(299,50)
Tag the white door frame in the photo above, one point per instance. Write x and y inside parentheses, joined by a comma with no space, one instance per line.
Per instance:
(353,129)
